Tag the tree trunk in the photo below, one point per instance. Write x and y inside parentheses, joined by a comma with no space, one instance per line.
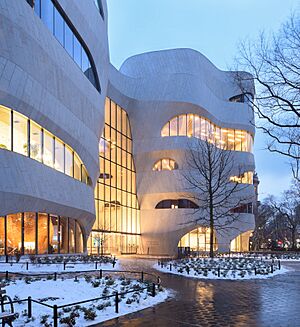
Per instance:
(294,230)
(211,232)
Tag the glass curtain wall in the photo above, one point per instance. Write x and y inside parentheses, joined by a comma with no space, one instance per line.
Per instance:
(24,136)
(117,226)
(192,125)
(39,233)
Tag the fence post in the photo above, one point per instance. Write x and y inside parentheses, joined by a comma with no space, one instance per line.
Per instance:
(170,267)
(55,318)
(100,273)
(153,289)
(29,309)
(64,265)
(6,275)
(219,272)
(96,265)
(55,275)
(117,302)
(142,276)
(26,265)
(279,264)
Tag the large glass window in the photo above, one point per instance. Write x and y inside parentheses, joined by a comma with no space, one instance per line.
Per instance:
(59,27)
(59,155)
(39,233)
(42,233)
(115,194)
(14,232)
(47,13)
(20,136)
(5,128)
(68,37)
(35,141)
(29,232)
(30,139)
(48,155)
(192,125)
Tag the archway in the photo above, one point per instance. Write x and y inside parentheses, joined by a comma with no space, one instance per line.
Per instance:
(241,243)
(196,241)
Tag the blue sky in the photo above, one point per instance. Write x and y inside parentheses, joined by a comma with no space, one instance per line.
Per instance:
(213,27)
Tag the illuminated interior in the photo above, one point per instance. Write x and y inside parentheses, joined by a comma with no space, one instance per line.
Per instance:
(241,243)
(192,125)
(245,178)
(39,233)
(165,164)
(197,240)
(22,135)
(117,226)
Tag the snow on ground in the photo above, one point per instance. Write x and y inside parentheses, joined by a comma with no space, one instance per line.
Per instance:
(230,268)
(58,267)
(67,291)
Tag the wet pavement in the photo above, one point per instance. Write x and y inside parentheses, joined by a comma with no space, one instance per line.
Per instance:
(269,302)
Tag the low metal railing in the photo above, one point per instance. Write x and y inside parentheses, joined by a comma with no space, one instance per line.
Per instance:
(151,288)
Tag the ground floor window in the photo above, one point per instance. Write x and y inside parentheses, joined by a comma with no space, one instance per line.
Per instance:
(196,241)
(113,243)
(241,243)
(39,233)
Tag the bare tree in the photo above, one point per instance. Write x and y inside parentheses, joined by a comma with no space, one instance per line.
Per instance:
(288,207)
(265,214)
(274,63)
(208,173)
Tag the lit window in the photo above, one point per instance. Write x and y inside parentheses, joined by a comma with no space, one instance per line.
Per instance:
(192,125)
(177,204)
(32,140)
(245,178)
(165,164)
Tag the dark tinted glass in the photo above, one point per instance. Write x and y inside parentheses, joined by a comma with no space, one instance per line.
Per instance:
(59,27)
(47,13)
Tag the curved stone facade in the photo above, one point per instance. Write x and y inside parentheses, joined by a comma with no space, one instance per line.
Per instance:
(153,88)
(44,80)
(40,80)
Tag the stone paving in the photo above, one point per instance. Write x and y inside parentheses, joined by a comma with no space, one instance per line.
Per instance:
(270,302)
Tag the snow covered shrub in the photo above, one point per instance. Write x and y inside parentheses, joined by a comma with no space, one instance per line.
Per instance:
(89,313)
(96,283)
(44,319)
(70,320)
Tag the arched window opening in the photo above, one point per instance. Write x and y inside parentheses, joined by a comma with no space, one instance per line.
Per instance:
(242,242)
(177,204)
(198,240)
(243,208)
(165,164)
(243,98)
(192,125)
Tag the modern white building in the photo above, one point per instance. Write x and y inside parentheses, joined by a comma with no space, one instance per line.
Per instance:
(91,157)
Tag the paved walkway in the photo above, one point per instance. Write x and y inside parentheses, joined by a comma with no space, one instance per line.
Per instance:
(272,302)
